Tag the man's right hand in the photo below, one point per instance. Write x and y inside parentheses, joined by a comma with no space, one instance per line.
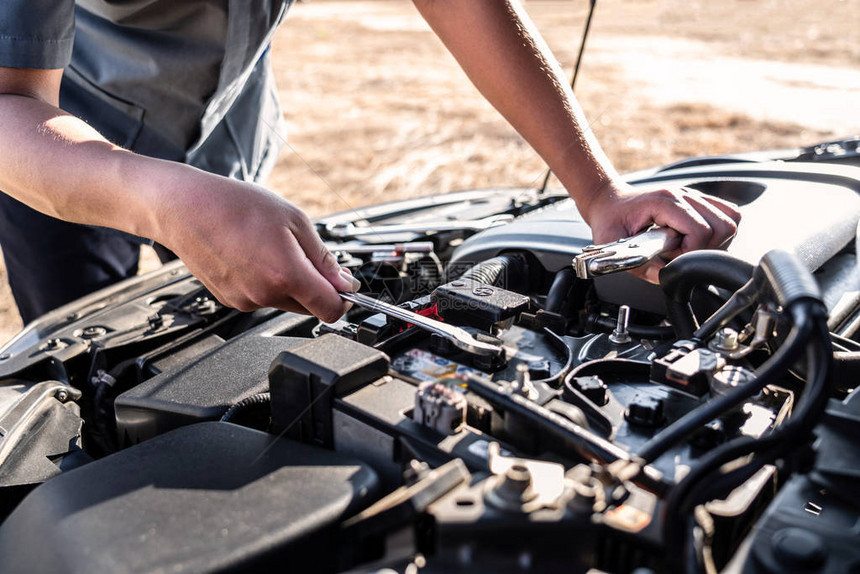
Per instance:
(248,246)
(252,248)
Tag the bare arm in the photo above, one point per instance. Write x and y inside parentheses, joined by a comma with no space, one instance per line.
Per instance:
(504,56)
(249,246)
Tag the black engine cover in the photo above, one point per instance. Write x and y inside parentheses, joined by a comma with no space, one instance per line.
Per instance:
(210,497)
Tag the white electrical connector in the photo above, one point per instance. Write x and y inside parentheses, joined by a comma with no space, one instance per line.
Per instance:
(440,407)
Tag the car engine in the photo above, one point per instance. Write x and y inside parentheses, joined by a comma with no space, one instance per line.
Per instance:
(598,424)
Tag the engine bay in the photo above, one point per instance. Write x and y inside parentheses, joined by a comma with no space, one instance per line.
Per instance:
(705,424)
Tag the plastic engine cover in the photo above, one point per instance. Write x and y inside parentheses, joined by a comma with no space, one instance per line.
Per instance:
(210,497)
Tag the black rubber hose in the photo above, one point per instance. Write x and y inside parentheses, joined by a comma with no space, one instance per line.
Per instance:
(698,485)
(786,278)
(742,299)
(683,274)
(559,291)
(588,444)
(245,404)
(769,372)
(509,271)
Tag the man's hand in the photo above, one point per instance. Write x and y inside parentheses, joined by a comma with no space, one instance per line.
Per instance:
(703,221)
(502,52)
(253,249)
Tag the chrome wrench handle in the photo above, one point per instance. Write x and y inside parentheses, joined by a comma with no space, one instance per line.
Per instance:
(459,337)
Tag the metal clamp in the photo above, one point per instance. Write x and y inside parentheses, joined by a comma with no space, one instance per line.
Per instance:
(625,253)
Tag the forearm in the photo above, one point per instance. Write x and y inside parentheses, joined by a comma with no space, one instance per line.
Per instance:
(504,56)
(59,165)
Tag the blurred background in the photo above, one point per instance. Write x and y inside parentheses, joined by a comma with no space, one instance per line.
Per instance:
(377,110)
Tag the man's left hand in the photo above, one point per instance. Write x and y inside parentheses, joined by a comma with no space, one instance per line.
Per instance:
(703,221)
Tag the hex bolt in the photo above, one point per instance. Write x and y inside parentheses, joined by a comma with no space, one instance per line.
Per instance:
(92,332)
(620,335)
(516,484)
(726,340)
(62,395)
(513,489)
(53,344)
(517,478)
(728,379)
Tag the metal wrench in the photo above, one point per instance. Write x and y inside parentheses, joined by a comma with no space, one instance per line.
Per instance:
(460,338)
(626,253)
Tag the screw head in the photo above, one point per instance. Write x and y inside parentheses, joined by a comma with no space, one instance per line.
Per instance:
(92,332)
(53,344)
(726,339)
(513,489)
(519,475)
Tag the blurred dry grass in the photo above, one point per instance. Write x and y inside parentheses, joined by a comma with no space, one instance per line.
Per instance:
(377,110)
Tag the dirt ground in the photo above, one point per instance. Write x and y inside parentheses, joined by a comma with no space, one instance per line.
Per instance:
(377,110)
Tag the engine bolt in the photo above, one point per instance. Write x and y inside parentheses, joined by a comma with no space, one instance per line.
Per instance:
(513,489)
(620,335)
(92,332)
(53,344)
(726,340)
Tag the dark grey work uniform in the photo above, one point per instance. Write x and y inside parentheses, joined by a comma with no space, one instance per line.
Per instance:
(184,80)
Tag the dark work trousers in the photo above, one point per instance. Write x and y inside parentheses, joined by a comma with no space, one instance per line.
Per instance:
(51,262)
